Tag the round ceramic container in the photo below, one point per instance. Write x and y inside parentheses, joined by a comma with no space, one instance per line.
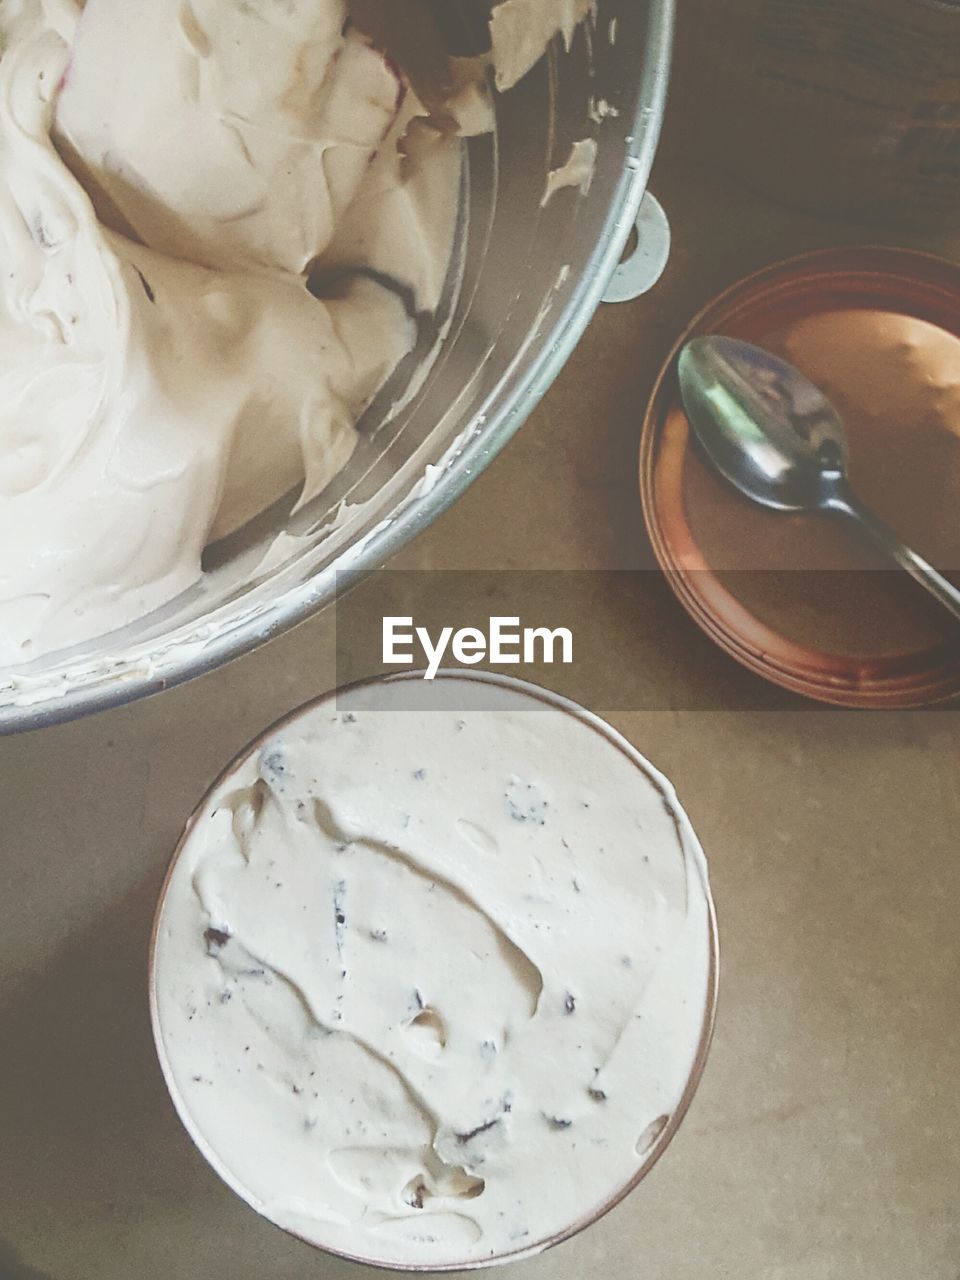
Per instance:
(350,709)
(805,600)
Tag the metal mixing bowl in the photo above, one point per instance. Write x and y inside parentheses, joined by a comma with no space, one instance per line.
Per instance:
(527,283)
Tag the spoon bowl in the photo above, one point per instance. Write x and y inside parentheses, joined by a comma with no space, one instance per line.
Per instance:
(765,426)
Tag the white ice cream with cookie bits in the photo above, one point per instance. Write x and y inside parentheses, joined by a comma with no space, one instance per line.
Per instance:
(433,971)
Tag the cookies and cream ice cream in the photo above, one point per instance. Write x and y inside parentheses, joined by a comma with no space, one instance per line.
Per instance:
(173,175)
(432,971)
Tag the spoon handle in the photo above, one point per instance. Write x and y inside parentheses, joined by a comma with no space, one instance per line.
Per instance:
(906,557)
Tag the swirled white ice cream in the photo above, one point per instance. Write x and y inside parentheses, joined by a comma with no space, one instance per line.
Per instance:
(432,971)
(169,171)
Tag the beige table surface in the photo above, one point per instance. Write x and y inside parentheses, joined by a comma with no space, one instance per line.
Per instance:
(824,1143)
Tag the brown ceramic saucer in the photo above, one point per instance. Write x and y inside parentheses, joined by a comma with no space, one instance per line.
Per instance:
(804,600)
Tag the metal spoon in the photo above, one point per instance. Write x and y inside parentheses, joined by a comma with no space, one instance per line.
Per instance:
(778,439)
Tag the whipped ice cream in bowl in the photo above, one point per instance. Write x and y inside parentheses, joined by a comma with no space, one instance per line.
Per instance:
(434,970)
(279,280)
